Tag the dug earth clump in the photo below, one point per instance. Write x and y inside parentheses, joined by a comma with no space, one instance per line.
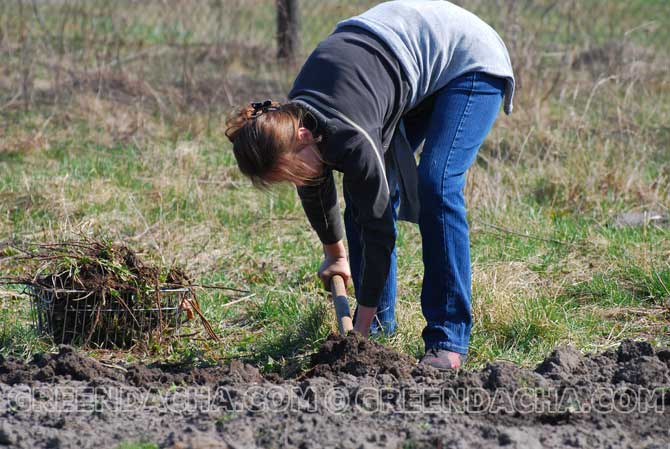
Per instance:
(69,364)
(356,355)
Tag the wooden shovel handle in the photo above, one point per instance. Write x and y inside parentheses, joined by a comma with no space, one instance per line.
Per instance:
(339,292)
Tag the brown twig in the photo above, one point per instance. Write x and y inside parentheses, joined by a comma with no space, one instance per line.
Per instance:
(212,287)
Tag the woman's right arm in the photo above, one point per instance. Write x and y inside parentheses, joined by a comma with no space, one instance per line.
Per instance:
(323,212)
(364,176)
(322,209)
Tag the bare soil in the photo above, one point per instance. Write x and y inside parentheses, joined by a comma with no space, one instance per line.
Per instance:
(357,394)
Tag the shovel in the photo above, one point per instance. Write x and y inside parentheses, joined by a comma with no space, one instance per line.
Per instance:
(339,292)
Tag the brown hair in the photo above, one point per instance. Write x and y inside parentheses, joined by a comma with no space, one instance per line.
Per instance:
(266,142)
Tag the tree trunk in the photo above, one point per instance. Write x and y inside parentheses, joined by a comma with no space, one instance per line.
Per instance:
(287,31)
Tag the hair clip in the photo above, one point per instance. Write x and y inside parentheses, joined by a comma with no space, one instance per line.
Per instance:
(260,108)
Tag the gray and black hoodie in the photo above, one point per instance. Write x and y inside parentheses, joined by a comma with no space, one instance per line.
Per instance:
(360,84)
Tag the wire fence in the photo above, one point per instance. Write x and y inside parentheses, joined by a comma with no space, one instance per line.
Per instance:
(176,55)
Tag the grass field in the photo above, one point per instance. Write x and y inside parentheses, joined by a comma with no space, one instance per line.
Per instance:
(139,159)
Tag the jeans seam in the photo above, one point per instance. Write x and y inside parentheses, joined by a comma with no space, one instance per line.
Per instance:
(460,127)
(451,152)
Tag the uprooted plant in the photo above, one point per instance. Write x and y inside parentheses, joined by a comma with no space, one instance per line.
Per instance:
(101,293)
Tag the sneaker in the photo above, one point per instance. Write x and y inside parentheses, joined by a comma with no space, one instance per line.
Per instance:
(443,359)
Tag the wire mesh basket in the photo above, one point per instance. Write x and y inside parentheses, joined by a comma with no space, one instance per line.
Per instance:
(83,318)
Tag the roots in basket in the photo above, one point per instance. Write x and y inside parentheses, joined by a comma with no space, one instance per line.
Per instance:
(102,294)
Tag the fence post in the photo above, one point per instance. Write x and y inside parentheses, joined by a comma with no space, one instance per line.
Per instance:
(287,31)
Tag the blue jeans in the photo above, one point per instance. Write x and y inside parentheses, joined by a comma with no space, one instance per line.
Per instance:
(462,115)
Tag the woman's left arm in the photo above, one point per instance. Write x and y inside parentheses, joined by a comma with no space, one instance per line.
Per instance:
(367,187)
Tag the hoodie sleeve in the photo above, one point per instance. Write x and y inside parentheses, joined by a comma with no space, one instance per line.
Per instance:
(367,187)
(323,212)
